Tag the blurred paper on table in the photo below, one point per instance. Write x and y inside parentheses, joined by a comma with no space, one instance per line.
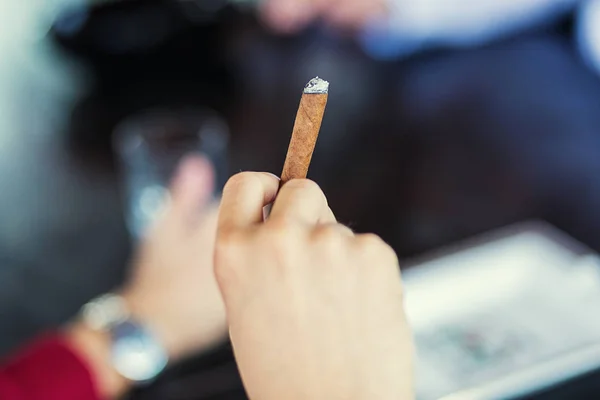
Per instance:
(505,315)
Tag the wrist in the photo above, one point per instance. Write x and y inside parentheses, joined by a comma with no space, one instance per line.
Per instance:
(146,314)
(133,349)
(179,337)
(94,347)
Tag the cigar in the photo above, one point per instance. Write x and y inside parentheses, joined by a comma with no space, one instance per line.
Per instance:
(306,130)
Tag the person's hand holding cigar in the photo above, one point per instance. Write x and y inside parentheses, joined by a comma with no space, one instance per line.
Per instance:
(315,311)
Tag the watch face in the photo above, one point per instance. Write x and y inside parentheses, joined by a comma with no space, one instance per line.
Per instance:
(136,353)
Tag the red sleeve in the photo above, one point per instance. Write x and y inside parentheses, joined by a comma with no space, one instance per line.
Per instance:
(46,370)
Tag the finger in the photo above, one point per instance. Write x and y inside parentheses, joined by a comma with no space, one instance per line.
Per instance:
(372,246)
(301,200)
(192,187)
(244,197)
(327,217)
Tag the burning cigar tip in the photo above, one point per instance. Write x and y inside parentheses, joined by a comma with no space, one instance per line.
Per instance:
(317,86)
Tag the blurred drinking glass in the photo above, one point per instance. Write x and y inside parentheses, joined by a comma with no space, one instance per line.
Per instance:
(151,145)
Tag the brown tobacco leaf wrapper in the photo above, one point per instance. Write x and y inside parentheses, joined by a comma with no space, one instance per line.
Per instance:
(306,130)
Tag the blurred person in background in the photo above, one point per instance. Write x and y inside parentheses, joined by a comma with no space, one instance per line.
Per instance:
(505,80)
(313,310)
(494,79)
(412,24)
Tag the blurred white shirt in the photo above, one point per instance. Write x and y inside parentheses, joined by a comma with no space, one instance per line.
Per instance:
(416,24)
(588,33)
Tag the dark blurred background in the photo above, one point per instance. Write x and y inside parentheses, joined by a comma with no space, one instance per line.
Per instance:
(424,144)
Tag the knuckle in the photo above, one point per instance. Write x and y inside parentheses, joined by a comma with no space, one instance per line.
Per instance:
(330,244)
(327,235)
(277,226)
(373,245)
(380,257)
(369,242)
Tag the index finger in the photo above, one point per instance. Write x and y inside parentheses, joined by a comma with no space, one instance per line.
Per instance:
(244,197)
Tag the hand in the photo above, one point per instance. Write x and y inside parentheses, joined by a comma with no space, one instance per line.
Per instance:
(172,287)
(289,16)
(315,311)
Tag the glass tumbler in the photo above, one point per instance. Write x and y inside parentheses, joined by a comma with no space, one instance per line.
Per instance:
(150,146)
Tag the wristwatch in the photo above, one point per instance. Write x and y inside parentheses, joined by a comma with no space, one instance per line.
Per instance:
(136,353)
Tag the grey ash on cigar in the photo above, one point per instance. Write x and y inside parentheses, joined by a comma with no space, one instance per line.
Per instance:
(306,130)
(317,86)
